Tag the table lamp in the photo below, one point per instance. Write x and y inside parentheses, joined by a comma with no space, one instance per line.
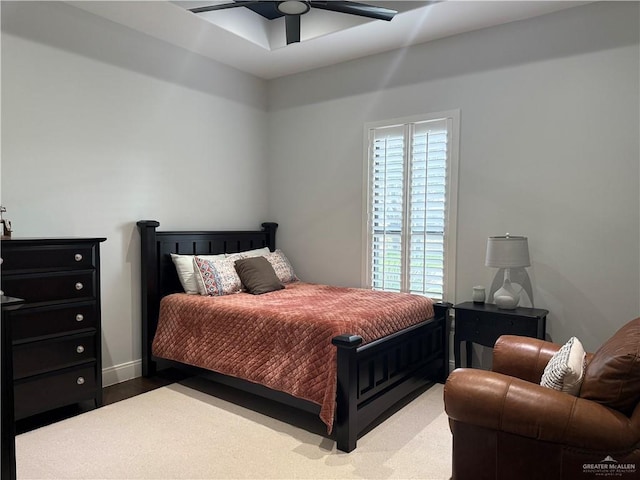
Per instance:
(508,252)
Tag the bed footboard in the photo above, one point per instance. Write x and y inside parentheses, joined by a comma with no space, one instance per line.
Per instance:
(374,377)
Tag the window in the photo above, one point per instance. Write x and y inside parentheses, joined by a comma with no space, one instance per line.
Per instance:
(411,185)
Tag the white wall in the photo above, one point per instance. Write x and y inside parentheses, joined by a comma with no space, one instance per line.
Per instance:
(102,126)
(549,149)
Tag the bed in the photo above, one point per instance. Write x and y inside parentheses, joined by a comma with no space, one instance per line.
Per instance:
(370,376)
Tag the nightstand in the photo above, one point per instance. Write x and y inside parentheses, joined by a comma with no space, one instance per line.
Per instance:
(483,323)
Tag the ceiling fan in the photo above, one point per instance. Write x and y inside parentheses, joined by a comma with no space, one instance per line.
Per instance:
(293,9)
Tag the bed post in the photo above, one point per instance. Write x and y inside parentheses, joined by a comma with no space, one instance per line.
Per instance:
(270,229)
(442,310)
(149,290)
(346,423)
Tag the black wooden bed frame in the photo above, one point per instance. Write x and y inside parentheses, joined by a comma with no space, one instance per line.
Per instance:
(371,378)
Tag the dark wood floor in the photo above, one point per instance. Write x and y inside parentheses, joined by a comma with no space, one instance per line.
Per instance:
(111,394)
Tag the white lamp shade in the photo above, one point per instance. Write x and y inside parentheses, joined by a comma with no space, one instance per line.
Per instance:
(507,252)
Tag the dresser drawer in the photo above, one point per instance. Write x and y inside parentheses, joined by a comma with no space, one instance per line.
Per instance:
(39,357)
(51,287)
(46,392)
(52,320)
(22,258)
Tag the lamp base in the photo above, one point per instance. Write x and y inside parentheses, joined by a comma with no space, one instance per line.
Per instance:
(520,277)
(504,302)
(506,297)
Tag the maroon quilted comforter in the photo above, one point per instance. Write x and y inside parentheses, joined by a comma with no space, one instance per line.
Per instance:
(281,339)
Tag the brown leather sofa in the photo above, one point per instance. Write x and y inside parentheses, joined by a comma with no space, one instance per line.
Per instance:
(506,426)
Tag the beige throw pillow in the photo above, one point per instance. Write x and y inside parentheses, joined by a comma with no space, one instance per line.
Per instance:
(565,370)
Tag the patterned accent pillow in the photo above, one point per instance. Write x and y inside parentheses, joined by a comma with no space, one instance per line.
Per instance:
(282,266)
(216,276)
(186,270)
(565,370)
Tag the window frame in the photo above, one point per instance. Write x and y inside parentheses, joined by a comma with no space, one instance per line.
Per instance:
(451,196)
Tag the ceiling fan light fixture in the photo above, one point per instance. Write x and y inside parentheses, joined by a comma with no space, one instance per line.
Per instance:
(293,7)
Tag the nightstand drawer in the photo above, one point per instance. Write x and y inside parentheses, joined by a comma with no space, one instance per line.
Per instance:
(485,329)
(51,287)
(45,392)
(48,257)
(35,358)
(51,320)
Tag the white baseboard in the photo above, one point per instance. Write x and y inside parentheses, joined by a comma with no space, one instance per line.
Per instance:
(121,373)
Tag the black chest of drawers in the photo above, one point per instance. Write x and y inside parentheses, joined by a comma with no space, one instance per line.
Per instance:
(56,335)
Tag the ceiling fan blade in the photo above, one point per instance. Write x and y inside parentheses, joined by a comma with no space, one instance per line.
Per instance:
(223,6)
(292,23)
(355,8)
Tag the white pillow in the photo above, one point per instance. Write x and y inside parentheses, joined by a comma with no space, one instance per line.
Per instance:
(565,370)
(258,252)
(186,271)
(217,276)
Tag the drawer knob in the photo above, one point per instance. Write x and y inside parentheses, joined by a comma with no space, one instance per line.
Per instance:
(79,286)
(80,349)
(78,257)
(79,317)
(80,380)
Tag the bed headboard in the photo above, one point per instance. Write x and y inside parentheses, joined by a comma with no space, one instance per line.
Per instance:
(158,275)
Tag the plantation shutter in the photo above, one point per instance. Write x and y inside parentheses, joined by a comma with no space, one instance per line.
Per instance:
(408,182)
(387,209)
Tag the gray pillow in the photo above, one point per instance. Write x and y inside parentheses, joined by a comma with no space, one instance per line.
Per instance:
(257,275)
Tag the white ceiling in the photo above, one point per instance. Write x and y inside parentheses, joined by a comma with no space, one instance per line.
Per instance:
(245,40)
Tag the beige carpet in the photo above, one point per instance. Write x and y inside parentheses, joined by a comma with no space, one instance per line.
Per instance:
(181,432)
